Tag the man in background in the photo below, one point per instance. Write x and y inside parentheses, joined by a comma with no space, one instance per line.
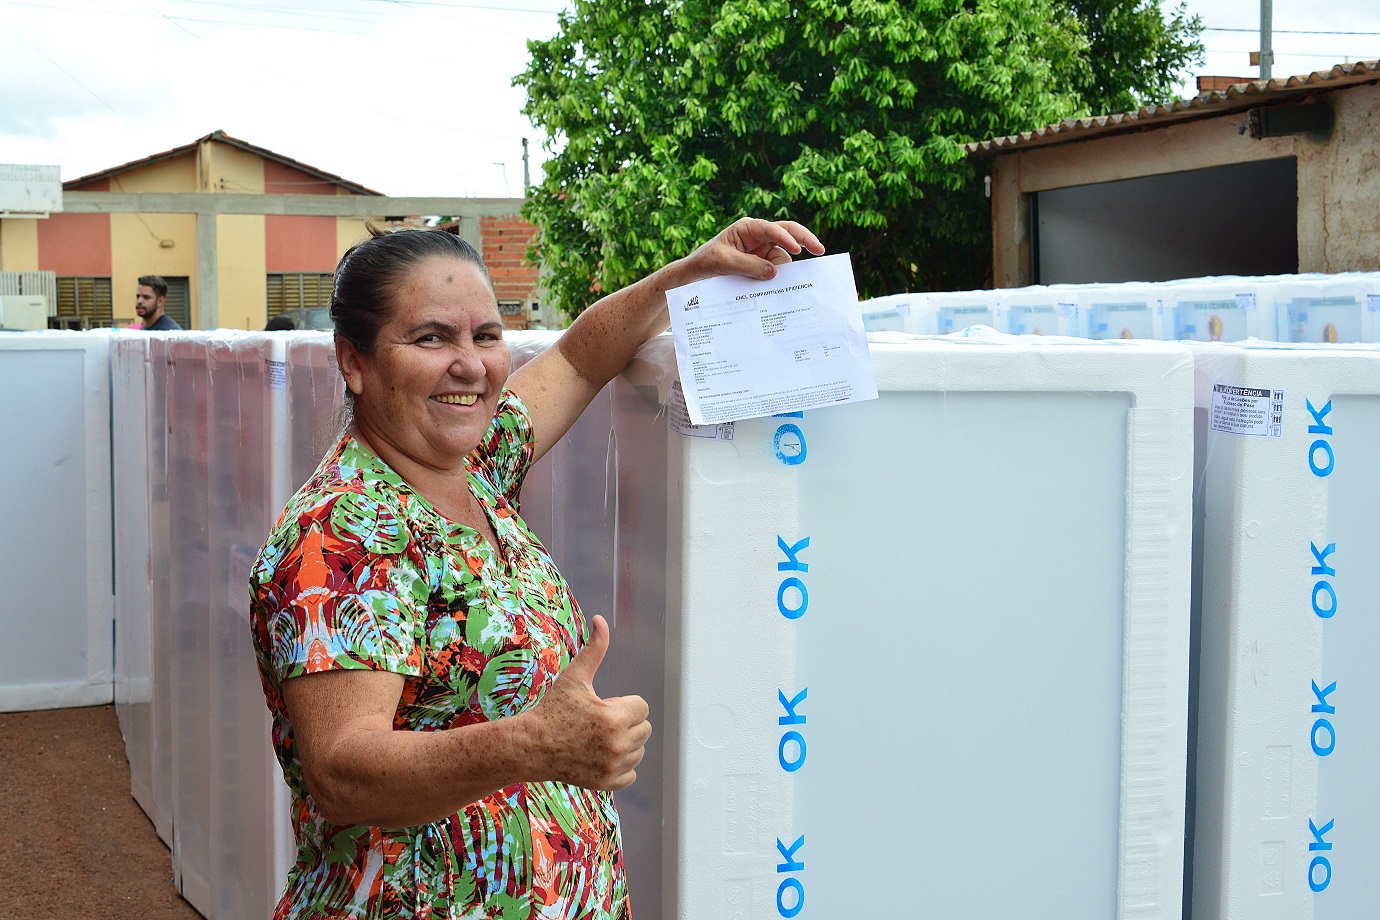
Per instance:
(280,323)
(148,303)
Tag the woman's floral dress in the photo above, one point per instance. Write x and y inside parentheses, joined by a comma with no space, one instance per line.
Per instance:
(360,571)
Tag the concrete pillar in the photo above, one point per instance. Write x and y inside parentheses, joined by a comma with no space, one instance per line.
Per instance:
(207,272)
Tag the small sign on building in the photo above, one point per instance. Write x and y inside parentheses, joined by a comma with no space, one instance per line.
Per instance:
(30,189)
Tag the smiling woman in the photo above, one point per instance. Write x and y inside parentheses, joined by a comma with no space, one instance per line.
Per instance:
(427,388)
(429,674)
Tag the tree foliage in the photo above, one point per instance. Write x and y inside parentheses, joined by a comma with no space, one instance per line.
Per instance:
(670,118)
(1134,55)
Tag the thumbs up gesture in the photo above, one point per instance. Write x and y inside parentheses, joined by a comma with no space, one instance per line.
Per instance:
(591,742)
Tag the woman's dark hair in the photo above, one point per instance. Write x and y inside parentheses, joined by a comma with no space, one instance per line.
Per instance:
(372,271)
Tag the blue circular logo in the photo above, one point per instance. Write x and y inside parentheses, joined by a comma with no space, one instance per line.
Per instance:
(789,443)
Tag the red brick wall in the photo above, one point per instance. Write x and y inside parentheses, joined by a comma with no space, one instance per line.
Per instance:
(504,242)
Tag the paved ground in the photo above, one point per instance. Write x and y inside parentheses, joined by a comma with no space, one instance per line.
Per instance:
(77,845)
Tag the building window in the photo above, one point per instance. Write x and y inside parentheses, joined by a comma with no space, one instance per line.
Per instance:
(83,303)
(507,307)
(299,289)
(178,303)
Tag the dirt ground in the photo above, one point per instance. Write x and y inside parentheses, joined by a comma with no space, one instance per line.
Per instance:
(76,843)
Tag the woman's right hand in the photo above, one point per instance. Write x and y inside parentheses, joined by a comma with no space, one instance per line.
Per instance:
(588,741)
(750,247)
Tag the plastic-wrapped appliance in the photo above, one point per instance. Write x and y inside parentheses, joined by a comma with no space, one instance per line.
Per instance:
(963,605)
(57,610)
(1286,820)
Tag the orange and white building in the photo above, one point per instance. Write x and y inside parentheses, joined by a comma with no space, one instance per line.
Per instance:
(239,232)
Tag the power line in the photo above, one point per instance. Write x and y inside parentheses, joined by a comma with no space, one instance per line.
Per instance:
(177,20)
(171,20)
(352,16)
(1331,56)
(97,96)
(1286,31)
(405,3)
(465,6)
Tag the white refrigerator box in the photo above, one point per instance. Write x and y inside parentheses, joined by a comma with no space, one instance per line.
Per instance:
(250,830)
(955,311)
(1287,822)
(1037,310)
(899,313)
(922,656)
(132,443)
(199,419)
(1131,310)
(909,639)
(184,623)
(1225,309)
(1328,308)
(57,609)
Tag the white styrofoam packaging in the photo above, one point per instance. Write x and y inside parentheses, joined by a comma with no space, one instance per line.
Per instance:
(599,502)
(57,609)
(955,311)
(1287,818)
(899,313)
(200,424)
(910,639)
(1121,311)
(895,650)
(315,393)
(1226,309)
(185,623)
(1037,310)
(1328,308)
(250,830)
(133,435)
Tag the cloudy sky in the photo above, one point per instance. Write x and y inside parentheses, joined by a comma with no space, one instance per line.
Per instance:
(408,97)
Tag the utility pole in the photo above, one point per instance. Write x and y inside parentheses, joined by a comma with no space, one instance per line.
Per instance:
(1267,51)
(527,176)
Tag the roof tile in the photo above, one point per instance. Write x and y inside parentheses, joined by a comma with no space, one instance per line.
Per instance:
(1236,96)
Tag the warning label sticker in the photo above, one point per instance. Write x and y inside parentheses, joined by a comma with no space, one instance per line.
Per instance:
(678,419)
(1248,411)
(277,374)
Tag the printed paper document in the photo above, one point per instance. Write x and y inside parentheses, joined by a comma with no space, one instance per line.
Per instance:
(750,348)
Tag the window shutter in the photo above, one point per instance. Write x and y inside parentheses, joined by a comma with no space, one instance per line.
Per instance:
(295,290)
(178,303)
(84,302)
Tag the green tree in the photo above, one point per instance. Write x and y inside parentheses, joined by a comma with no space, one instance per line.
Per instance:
(673,117)
(1134,55)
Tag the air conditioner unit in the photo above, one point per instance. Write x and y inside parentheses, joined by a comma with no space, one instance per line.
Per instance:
(23,312)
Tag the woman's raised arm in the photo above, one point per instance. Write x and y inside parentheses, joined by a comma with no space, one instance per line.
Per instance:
(558,384)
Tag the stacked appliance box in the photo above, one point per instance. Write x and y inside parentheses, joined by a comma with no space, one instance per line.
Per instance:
(880,641)
(141,711)
(200,420)
(1286,817)
(56,611)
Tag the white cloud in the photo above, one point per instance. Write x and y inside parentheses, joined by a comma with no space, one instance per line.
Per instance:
(410,98)
(406,98)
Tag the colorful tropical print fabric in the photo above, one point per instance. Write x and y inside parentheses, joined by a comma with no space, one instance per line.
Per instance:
(360,571)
